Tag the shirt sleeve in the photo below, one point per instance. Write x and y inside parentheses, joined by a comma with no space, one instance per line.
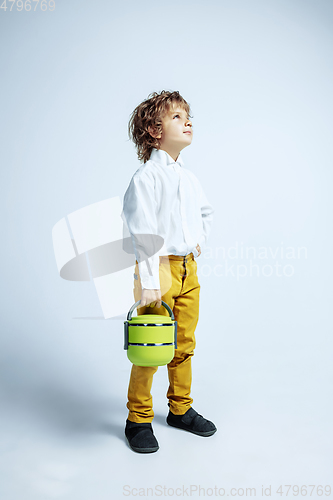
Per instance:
(139,210)
(207,212)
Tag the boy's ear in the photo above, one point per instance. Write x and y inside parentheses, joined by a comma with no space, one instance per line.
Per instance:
(153,132)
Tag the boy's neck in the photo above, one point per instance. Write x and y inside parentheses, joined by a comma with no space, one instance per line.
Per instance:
(174,154)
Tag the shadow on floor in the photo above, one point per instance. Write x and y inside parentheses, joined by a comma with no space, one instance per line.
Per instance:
(64,411)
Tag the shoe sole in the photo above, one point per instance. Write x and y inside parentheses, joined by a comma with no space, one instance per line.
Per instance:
(142,450)
(204,434)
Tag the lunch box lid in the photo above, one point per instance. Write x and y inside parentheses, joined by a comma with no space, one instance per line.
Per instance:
(157,319)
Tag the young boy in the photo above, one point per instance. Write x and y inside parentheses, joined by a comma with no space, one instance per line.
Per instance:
(165,199)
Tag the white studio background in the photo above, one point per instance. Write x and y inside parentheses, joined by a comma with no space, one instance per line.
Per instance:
(258,77)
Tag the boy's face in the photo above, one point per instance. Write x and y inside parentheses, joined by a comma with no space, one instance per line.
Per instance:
(177,130)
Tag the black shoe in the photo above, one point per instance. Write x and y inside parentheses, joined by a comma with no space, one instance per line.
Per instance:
(140,437)
(193,422)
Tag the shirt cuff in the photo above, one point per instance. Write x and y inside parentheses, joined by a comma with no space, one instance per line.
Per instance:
(201,241)
(150,281)
(195,252)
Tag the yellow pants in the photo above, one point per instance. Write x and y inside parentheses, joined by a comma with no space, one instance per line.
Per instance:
(180,289)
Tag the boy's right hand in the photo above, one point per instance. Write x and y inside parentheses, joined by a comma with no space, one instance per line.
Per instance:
(150,297)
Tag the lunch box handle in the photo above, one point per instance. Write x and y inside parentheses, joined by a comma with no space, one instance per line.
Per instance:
(129,315)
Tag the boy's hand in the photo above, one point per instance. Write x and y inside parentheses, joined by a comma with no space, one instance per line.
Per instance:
(150,297)
(199,249)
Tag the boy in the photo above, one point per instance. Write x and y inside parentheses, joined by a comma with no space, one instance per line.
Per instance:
(165,199)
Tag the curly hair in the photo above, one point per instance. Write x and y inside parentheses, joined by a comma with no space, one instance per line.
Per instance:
(149,114)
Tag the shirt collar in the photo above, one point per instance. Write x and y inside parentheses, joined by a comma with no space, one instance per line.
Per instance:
(162,157)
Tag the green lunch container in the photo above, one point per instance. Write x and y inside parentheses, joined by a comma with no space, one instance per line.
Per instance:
(150,339)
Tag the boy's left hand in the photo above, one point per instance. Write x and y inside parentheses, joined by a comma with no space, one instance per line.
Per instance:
(199,249)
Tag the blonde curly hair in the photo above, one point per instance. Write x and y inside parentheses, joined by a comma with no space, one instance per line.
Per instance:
(149,114)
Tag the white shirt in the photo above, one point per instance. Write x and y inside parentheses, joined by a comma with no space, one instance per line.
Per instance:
(166,199)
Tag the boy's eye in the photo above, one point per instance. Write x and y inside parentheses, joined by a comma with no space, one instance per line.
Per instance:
(179,116)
